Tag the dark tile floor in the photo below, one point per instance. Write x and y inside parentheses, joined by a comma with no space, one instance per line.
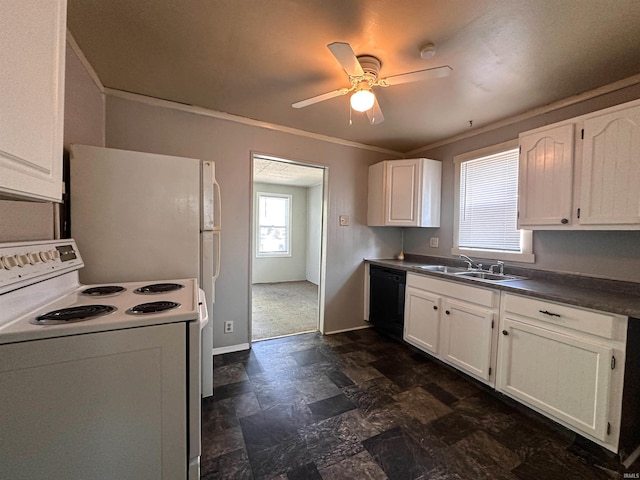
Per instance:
(359,406)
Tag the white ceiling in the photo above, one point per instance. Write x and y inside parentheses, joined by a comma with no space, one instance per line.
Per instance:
(254,58)
(285,173)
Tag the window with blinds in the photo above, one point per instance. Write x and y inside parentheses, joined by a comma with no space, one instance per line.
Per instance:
(274,218)
(489,203)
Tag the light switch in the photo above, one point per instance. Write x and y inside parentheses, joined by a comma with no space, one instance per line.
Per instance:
(344,220)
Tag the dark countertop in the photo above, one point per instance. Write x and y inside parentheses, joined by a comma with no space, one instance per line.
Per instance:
(599,294)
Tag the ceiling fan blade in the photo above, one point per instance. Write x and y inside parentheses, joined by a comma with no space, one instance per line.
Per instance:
(345,56)
(417,76)
(320,98)
(375,114)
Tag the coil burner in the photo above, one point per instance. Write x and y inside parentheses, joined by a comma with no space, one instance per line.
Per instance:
(158,288)
(103,291)
(152,307)
(78,313)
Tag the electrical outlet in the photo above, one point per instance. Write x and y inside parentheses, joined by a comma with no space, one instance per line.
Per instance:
(344,220)
(228,327)
(433,242)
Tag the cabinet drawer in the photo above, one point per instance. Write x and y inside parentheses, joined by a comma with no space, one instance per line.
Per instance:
(481,296)
(602,324)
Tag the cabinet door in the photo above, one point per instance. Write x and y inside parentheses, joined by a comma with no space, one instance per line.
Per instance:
(546,177)
(466,338)
(100,405)
(403,193)
(422,320)
(610,189)
(32,53)
(563,376)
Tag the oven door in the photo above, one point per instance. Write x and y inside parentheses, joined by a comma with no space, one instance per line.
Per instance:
(195,387)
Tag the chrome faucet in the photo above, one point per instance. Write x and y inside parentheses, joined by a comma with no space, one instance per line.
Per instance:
(500,265)
(471,264)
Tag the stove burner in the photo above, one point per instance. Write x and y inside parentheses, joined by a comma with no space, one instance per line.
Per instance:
(73,314)
(158,288)
(103,290)
(152,307)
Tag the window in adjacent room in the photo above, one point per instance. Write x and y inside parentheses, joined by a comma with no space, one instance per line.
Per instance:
(486,210)
(274,223)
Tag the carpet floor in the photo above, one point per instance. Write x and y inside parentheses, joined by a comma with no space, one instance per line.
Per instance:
(283,308)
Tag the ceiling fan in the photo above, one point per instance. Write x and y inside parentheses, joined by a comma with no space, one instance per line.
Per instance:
(363,72)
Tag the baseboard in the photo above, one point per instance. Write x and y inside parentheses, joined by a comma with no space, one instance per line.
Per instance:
(231,349)
(348,329)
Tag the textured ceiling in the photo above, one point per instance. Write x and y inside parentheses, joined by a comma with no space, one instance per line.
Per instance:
(286,173)
(254,58)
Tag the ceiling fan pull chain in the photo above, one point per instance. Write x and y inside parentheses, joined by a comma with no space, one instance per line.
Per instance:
(350,122)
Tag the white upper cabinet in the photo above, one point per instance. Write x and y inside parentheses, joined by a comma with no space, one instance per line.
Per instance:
(546,176)
(582,174)
(32,55)
(610,193)
(405,193)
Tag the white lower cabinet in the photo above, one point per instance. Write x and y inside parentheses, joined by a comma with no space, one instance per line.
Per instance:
(422,319)
(454,322)
(467,333)
(565,362)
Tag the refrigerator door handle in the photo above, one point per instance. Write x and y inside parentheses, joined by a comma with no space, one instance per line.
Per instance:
(207,197)
(217,258)
(217,205)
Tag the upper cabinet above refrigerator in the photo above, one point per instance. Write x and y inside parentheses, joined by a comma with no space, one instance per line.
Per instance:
(32,55)
(404,193)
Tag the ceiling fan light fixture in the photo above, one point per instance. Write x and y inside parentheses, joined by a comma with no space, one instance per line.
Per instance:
(362,100)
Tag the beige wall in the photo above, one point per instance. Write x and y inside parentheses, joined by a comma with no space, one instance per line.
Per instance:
(83,123)
(283,269)
(605,254)
(138,126)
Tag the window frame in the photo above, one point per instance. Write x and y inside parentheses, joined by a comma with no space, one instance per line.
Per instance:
(526,254)
(288,252)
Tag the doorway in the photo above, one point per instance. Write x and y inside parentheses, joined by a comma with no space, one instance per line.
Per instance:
(287,252)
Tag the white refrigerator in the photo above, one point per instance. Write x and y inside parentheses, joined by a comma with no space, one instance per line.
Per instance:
(139,216)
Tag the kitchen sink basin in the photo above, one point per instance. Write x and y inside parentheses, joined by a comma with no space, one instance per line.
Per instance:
(494,277)
(466,273)
(442,268)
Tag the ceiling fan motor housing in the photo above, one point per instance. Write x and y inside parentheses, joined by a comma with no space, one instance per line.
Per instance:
(370,66)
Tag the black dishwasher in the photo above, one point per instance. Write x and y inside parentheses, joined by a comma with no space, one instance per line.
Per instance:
(386,300)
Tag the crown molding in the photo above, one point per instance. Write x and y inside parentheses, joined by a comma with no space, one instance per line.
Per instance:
(597,92)
(85,63)
(158,102)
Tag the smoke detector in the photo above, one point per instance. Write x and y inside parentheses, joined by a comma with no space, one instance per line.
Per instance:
(428,50)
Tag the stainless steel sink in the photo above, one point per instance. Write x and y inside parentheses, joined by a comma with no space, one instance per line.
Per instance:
(466,273)
(494,277)
(442,268)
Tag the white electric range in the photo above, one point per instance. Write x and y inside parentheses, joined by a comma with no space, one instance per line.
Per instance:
(96,381)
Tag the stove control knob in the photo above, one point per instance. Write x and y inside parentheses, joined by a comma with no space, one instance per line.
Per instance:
(23,259)
(55,254)
(34,258)
(45,256)
(9,262)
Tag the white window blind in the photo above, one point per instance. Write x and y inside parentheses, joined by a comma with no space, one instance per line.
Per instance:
(489,203)
(274,213)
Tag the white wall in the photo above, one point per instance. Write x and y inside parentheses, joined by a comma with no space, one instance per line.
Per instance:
(314,233)
(611,254)
(83,123)
(134,125)
(284,269)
